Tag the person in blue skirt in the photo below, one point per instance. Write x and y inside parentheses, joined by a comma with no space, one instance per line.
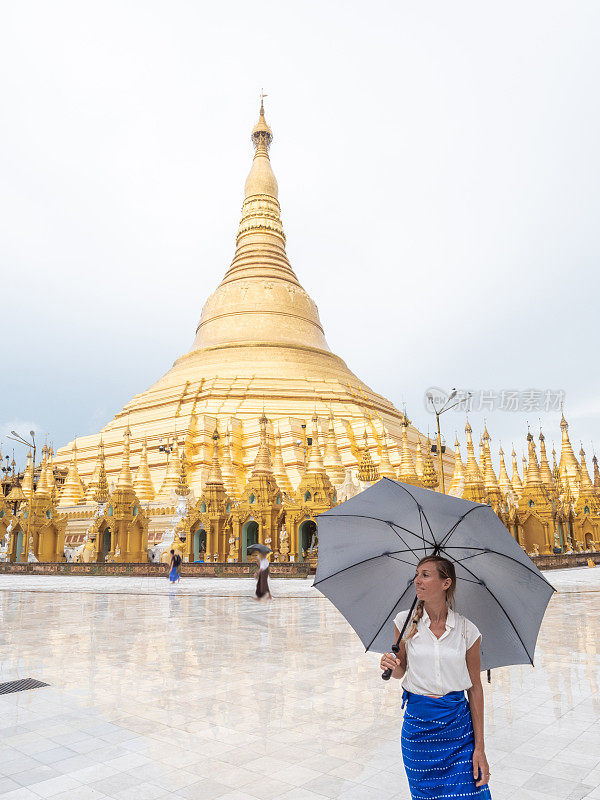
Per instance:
(438,661)
(174,567)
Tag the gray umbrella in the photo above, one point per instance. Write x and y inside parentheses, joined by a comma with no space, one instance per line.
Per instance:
(370,545)
(258,548)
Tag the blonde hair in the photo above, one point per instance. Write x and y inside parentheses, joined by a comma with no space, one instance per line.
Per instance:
(446,571)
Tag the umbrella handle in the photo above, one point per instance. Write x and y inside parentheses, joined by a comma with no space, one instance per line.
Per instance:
(387,674)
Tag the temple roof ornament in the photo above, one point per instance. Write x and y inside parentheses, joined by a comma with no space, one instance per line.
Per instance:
(332,459)
(474,488)
(172,474)
(279,469)
(568,466)
(101,489)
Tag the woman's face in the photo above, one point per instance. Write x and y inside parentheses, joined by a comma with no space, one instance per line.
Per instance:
(429,585)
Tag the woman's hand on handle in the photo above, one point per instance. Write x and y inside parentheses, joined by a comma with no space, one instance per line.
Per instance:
(388,661)
(481,770)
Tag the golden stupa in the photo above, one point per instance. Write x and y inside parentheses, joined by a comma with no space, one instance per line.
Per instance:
(259,350)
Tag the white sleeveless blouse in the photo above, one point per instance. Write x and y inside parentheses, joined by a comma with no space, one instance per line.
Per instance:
(438,666)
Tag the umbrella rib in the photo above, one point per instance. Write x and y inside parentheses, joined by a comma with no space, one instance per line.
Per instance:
(410,564)
(503,555)
(351,566)
(385,522)
(493,596)
(428,525)
(457,523)
(389,615)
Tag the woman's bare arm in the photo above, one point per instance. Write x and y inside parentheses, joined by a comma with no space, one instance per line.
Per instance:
(481,770)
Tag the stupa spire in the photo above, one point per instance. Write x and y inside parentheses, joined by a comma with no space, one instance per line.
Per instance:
(490,481)
(596,473)
(262,462)
(42,488)
(430,478)
(534,478)
(215,476)
(503,479)
(367,471)
(419,463)
(27,483)
(142,484)
(516,479)
(457,484)
(545,471)
(279,469)
(101,489)
(586,481)
(386,470)
(568,466)
(72,492)
(406,470)
(172,474)
(124,480)
(315,460)
(260,299)
(332,458)
(227,468)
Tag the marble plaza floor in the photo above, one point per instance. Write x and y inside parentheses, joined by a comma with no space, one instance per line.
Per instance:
(200,692)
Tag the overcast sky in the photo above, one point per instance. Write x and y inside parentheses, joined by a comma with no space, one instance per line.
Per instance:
(438,173)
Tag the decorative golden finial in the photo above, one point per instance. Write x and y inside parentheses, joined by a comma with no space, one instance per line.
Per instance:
(101,491)
(182,489)
(124,480)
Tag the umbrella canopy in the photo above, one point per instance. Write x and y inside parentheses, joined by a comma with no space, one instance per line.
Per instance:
(369,548)
(258,548)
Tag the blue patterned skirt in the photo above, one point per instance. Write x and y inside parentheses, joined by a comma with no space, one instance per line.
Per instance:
(437,748)
(174,574)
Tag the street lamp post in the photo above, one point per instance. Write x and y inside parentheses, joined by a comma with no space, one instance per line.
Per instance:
(438,412)
(21,440)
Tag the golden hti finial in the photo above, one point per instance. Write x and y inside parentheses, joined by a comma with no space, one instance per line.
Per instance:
(262,135)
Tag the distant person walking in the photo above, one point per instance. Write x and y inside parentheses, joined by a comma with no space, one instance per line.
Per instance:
(262,573)
(174,567)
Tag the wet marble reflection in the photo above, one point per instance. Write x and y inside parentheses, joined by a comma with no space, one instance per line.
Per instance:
(188,693)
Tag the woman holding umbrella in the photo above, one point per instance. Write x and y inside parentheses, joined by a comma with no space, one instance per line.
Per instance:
(262,574)
(438,660)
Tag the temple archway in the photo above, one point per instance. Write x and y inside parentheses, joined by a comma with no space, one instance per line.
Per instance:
(19,545)
(249,536)
(198,544)
(589,541)
(307,536)
(105,544)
